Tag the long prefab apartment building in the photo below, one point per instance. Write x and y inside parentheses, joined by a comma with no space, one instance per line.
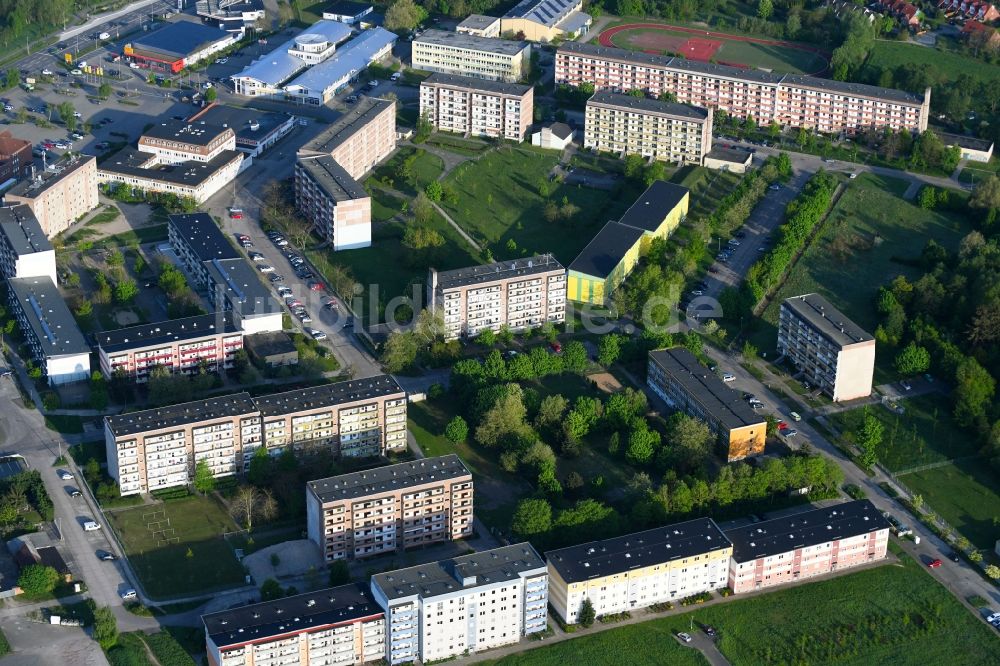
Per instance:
(468,105)
(468,55)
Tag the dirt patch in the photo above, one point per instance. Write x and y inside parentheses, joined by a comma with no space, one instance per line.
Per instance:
(126,318)
(605,382)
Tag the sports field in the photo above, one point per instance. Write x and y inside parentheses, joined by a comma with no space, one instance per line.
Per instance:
(718,47)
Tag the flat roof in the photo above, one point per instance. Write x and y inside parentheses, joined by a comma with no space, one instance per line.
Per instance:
(704,387)
(455,81)
(478,21)
(133,163)
(546,12)
(347,62)
(22,231)
(279,65)
(31,188)
(310,611)
(269,343)
(498,270)
(49,317)
(461,40)
(328,395)
(606,250)
(347,8)
(167,332)
(596,559)
(486,567)
(347,125)
(203,236)
(240,119)
(736,155)
(653,205)
(389,478)
(648,105)
(181,38)
(242,287)
(172,416)
(964,141)
(199,133)
(811,528)
(332,177)
(827,320)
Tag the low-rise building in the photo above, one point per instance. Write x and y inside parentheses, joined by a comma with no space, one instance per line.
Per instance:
(273,349)
(545,20)
(477,107)
(178,45)
(231,15)
(255,130)
(389,509)
(24,249)
(972,148)
(51,334)
(346,11)
(479,25)
(734,160)
(556,136)
(812,543)
(463,605)
(178,141)
(337,626)
(15,158)
(59,195)
(317,85)
(635,571)
(519,294)
(984,12)
(468,55)
(834,354)
(685,384)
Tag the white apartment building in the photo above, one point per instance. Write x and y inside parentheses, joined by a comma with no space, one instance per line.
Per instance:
(665,131)
(60,195)
(24,249)
(518,293)
(467,604)
(50,331)
(468,55)
(176,142)
(477,107)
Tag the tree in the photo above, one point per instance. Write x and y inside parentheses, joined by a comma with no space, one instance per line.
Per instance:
(927,199)
(630,8)
(869,437)
(271,590)
(434,191)
(404,15)
(418,237)
(400,351)
(642,444)
(204,480)
(126,290)
(765,8)
(38,580)
(912,360)
(505,419)
(974,388)
(692,434)
(531,517)
(550,411)
(423,209)
(792,25)
(486,338)
(587,615)
(986,194)
(105,627)
(211,95)
(248,503)
(13,77)
(575,357)
(457,430)
(993,571)
(66,113)
(609,349)
(104,90)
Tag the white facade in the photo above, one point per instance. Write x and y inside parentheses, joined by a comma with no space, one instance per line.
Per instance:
(546,138)
(68,368)
(147,179)
(467,55)
(458,104)
(36,264)
(265,322)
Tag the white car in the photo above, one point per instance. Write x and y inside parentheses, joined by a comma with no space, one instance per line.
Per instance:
(64,475)
(206,85)
(853,176)
(77,72)
(317,334)
(266,268)
(77,114)
(395,76)
(222,61)
(129,595)
(728,377)
(684,636)
(133,65)
(46,72)
(91,526)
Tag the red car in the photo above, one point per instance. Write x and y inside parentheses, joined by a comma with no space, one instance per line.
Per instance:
(782,425)
(556,347)
(934,564)
(236,213)
(317,286)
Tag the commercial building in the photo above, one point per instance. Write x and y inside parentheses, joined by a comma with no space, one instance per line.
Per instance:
(337,626)
(479,25)
(186,345)
(556,136)
(971,148)
(806,544)
(178,141)
(231,15)
(60,195)
(665,131)
(519,294)
(685,384)
(833,353)
(317,85)
(637,570)
(468,55)
(387,509)
(734,160)
(255,130)
(24,249)
(345,11)
(467,604)
(790,100)
(478,107)
(50,332)
(607,260)
(545,20)
(15,158)
(178,45)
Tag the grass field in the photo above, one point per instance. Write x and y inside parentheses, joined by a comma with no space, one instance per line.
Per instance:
(893,54)
(965,494)
(707,188)
(425,168)
(168,570)
(894,614)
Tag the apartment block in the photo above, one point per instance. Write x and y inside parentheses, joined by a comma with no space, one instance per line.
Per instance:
(806,544)
(685,384)
(833,353)
(176,141)
(337,626)
(520,293)
(665,131)
(387,509)
(790,100)
(477,107)
(185,345)
(638,570)
(463,605)
(360,139)
(24,249)
(198,241)
(469,55)
(51,333)
(59,196)
(15,155)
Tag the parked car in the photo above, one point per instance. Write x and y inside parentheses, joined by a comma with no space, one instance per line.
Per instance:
(276,278)
(795,416)
(304,317)
(74,492)
(790,433)
(556,347)
(709,630)
(222,61)
(236,213)
(91,526)
(293,302)
(317,334)
(934,564)
(782,425)
(64,475)
(266,268)
(129,595)
(853,176)
(351,99)
(256,256)
(728,377)
(954,557)
(906,385)
(395,76)
(284,291)
(684,636)
(106,556)
(775,187)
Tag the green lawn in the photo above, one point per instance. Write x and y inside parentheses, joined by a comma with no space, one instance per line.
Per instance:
(385,206)
(949,65)
(425,167)
(166,570)
(965,494)
(974,172)
(707,188)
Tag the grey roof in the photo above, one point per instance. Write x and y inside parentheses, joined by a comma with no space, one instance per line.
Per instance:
(180,39)
(575,22)
(546,12)
(704,387)
(239,119)
(166,332)
(738,155)
(48,316)
(461,40)
(171,416)
(198,133)
(606,250)
(306,612)
(389,478)
(812,528)
(269,343)
(223,9)
(487,567)
(498,270)
(240,284)
(826,320)
(279,65)
(346,63)
(652,206)
(478,21)
(346,126)
(685,111)
(964,141)
(21,231)
(561,130)
(347,8)
(203,236)
(485,85)
(332,178)
(328,395)
(596,559)
(30,189)
(137,164)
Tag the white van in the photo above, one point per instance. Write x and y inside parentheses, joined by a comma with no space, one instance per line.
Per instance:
(129,595)
(91,526)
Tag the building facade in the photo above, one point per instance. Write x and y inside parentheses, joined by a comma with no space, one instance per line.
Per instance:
(836,355)
(638,570)
(360,139)
(468,55)
(684,384)
(346,11)
(784,550)
(790,100)
(520,294)
(15,157)
(467,604)
(59,197)
(176,142)
(388,509)
(24,249)
(623,124)
(477,107)
(545,20)
(178,45)
(50,331)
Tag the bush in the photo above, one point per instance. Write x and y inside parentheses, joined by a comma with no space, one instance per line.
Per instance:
(696,599)
(37,580)
(167,650)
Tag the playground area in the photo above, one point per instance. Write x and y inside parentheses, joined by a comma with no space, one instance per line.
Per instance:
(717,47)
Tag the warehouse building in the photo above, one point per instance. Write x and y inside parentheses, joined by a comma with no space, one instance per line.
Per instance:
(545,20)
